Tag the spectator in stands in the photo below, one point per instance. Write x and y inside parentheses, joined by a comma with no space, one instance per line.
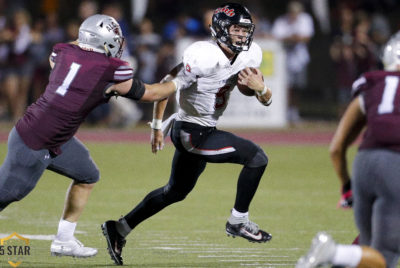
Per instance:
(18,72)
(363,47)
(71,30)
(183,25)
(87,8)
(39,59)
(342,55)
(4,50)
(295,29)
(148,44)
(54,32)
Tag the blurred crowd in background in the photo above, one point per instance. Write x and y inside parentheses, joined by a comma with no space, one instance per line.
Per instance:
(328,45)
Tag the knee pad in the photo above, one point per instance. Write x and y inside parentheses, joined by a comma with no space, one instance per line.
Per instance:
(173,196)
(260,159)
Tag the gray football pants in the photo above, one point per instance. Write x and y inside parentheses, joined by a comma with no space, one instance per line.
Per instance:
(23,167)
(376,188)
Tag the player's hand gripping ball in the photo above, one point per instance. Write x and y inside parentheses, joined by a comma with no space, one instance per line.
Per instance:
(245,90)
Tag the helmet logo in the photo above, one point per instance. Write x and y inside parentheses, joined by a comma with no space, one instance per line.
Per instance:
(187,67)
(226,10)
(112,26)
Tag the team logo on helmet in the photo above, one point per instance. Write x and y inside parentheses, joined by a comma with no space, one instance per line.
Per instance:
(188,69)
(113,27)
(226,10)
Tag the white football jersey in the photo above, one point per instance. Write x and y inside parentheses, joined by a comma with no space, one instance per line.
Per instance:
(207,79)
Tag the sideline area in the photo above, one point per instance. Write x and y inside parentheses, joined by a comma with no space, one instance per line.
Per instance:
(309,132)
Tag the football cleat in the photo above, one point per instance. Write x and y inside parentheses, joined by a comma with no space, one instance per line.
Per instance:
(248,230)
(115,241)
(346,200)
(72,248)
(322,250)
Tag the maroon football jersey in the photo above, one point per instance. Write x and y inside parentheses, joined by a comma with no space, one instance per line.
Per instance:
(76,86)
(381,98)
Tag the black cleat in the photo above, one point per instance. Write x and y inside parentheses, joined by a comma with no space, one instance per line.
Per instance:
(248,230)
(115,241)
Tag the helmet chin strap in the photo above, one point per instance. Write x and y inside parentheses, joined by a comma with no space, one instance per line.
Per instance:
(108,53)
(106,50)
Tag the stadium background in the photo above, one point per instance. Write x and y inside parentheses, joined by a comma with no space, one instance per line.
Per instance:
(296,198)
(152,55)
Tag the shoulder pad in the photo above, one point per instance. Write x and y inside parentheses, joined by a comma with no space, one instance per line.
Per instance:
(122,70)
(254,55)
(201,57)
(118,62)
(60,46)
(358,84)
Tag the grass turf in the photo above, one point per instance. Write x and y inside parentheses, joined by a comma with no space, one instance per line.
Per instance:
(296,198)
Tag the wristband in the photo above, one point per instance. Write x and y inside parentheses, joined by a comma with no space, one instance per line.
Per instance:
(268,103)
(156,123)
(262,92)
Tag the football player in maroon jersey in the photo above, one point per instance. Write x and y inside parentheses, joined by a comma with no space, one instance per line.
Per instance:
(376,168)
(84,75)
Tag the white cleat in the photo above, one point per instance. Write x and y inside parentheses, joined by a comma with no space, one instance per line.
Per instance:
(322,250)
(72,248)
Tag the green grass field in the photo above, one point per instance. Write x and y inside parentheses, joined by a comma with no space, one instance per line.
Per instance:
(296,198)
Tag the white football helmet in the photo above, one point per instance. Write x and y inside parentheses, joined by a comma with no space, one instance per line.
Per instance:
(391,53)
(101,33)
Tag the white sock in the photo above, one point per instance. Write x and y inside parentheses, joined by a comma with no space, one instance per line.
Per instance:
(347,255)
(238,214)
(66,230)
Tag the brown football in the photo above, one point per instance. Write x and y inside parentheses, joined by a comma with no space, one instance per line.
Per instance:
(244,89)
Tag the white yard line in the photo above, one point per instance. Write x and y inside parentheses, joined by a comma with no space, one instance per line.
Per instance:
(37,237)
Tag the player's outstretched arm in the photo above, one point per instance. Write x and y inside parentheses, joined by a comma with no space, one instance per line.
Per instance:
(349,128)
(158,91)
(137,90)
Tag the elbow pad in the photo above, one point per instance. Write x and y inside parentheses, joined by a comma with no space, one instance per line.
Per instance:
(137,90)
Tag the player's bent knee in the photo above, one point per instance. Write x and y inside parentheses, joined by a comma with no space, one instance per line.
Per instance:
(173,196)
(259,160)
(91,178)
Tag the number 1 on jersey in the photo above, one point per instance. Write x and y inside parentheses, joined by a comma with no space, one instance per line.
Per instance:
(389,92)
(73,70)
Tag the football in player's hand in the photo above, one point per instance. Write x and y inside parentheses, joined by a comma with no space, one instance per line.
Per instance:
(245,90)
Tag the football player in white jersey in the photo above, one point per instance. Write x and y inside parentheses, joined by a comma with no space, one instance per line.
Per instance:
(210,71)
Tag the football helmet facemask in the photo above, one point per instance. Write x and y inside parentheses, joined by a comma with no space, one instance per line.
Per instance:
(101,33)
(391,53)
(232,14)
